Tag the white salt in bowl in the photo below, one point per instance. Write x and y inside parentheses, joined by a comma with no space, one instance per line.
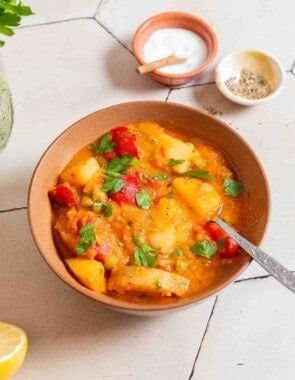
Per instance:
(261,63)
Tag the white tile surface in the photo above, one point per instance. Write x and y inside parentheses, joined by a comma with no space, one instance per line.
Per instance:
(56,10)
(72,338)
(264,24)
(58,73)
(270,130)
(63,73)
(251,334)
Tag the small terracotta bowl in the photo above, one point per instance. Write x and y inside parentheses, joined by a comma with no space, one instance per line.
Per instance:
(189,121)
(176,20)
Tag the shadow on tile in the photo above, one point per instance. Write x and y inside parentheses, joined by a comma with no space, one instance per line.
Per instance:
(209,98)
(121,69)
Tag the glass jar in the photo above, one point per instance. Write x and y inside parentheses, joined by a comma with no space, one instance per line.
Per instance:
(6,109)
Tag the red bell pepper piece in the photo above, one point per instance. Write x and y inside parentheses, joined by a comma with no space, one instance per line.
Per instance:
(125,142)
(109,155)
(117,132)
(128,192)
(230,248)
(64,195)
(101,251)
(215,232)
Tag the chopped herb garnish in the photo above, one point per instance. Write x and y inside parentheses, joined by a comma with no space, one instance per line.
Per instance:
(145,256)
(143,199)
(105,145)
(11,12)
(160,177)
(97,206)
(107,209)
(120,164)
(112,183)
(204,248)
(173,162)
(87,238)
(179,252)
(158,284)
(198,173)
(232,188)
(136,240)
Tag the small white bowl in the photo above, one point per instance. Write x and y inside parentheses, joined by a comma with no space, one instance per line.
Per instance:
(257,61)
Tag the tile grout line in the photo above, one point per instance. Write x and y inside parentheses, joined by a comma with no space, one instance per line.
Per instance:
(112,35)
(13,209)
(100,4)
(262,277)
(252,278)
(203,338)
(193,85)
(55,22)
(168,94)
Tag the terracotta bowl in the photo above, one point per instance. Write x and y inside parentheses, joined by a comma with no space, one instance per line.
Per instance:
(191,122)
(176,20)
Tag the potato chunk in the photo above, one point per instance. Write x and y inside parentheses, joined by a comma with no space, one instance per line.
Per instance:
(80,174)
(147,280)
(172,148)
(164,239)
(201,196)
(171,225)
(89,272)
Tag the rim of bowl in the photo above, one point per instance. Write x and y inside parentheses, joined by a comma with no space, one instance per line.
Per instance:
(173,16)
(127,306)
(220,82)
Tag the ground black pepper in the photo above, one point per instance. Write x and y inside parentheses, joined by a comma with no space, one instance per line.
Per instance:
(250,85)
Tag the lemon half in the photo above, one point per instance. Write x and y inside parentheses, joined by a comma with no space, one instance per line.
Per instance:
(13,348)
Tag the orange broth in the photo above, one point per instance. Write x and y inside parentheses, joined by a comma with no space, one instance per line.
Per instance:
(174,221)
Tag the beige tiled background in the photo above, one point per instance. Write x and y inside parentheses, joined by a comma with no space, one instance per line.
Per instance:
(72,58)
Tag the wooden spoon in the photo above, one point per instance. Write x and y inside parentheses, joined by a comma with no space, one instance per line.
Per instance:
(154,65)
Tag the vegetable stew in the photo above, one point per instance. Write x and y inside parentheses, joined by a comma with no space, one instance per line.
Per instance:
(133,211)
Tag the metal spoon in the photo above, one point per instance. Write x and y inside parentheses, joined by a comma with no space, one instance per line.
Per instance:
(277,270)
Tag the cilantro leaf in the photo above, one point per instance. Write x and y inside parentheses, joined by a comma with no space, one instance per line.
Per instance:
(136,240)
(11,12)
(112,183)
(105,145)
(119,164)
(87,238)
(198,173)
(158,284)
(173,162)
(179,252)
(143,199)
(204,248)
(160,177)
(107,209)
(232,188)
(145,256)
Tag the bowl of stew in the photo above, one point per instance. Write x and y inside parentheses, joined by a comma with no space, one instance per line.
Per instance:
(122,205)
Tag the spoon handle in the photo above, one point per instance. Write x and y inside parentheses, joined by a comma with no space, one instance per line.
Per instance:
(277,270)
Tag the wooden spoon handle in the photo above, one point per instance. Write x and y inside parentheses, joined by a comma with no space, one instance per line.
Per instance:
(151,66)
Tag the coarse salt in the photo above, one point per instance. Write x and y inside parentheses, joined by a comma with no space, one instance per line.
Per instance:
(176,42)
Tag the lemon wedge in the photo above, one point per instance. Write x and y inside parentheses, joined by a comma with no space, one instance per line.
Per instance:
(13,348)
